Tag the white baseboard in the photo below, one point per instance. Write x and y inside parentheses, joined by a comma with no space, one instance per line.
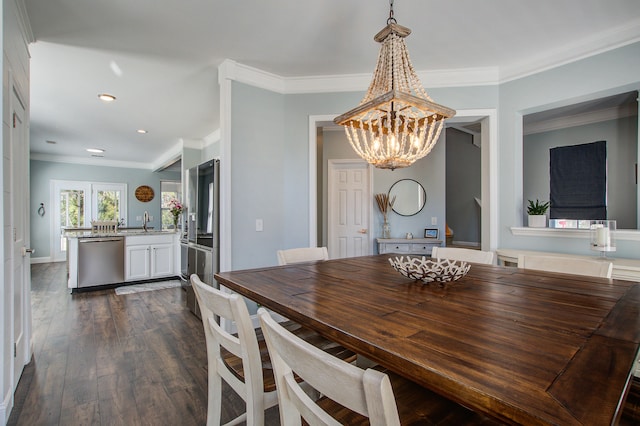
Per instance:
(5,407)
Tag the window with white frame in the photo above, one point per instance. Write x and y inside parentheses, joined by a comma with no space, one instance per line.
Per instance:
(169,190)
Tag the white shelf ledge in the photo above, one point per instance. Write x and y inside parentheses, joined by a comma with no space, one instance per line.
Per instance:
(620,234)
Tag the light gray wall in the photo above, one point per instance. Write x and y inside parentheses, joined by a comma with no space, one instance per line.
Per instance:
(622,153)
(259,163)
(427,171)
(463,185)
(42,172)
(270,170)
(270,136)
(598,76)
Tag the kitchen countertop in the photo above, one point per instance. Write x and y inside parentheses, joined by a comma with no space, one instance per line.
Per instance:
(120,233)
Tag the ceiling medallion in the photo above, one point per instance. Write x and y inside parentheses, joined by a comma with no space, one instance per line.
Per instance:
(396,122)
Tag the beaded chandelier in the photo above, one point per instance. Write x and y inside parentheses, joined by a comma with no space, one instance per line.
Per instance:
(396,122)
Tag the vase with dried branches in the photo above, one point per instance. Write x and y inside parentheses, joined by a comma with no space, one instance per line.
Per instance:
(385,204)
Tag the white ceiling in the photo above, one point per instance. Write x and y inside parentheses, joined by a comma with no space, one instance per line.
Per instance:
(160,57)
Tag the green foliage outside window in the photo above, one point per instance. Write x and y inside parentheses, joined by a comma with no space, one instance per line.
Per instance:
(108,205)
(72,208)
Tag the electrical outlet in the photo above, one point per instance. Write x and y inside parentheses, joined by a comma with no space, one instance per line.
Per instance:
(139,218)
(434,220)
(259,225)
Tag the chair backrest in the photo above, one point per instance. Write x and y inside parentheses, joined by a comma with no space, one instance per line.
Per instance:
(304,254)
(214,303)
(367,392)
(468,255)
(567,265)
(104,226)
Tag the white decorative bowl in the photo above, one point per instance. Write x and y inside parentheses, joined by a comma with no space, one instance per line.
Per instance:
(428,270)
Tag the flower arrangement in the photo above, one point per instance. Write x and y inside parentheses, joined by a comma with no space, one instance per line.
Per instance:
(385,204)
(175,207)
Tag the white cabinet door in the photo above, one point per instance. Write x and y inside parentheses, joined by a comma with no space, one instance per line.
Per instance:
(162,260)
(137,263)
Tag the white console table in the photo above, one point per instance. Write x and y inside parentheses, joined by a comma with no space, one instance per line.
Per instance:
(418,246)
(623,269)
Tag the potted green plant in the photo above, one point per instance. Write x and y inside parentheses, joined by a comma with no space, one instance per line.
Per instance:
(537,212)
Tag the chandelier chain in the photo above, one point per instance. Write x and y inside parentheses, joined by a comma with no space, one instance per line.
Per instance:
(396,123)
(391,18)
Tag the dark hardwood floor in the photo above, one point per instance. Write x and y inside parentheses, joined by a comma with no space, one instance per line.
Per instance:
(103,359)
(139,359)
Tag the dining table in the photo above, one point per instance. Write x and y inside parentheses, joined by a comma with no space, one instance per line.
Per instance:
(521,346)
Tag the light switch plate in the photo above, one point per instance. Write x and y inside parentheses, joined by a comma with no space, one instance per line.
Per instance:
(434,220)
(259,225)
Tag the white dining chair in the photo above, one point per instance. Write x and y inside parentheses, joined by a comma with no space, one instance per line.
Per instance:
(242,359)
(567,265)
(303,254)
(350,395)
(104,226)
(468,255)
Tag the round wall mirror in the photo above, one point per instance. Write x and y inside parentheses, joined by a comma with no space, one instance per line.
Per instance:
(410,197)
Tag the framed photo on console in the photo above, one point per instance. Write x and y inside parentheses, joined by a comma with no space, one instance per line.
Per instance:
(431,233)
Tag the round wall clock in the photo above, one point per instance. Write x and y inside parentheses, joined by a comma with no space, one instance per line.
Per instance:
(144,193)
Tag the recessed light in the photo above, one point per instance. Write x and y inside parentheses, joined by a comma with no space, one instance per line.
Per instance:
(106,97)
(141,131)
(96,150)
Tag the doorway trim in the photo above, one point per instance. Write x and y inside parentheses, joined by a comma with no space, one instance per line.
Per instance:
(489,171)
(315,121)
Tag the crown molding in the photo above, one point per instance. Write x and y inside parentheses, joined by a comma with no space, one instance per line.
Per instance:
(212,138)
(192,143)
(169,157)
(593,45)
(464,77)
(91,161)
(607,114)
(25,23)
(232,70)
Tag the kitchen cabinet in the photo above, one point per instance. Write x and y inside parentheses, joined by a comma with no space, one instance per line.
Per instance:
(417,246)
(149,257)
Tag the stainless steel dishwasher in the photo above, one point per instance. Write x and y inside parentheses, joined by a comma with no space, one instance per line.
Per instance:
(100,261)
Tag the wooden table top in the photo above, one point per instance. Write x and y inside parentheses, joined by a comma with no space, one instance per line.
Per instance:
(525,347)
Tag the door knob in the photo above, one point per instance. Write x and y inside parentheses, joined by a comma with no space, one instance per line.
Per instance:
(27,250)
(363,231)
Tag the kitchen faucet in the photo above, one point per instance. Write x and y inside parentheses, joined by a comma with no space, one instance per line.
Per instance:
(145,220)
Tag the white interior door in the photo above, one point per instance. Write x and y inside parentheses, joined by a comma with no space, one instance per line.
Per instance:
(20,260)
(349,205)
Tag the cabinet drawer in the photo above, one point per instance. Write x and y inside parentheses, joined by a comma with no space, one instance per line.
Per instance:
(134,240)
(424,249)
(394,248)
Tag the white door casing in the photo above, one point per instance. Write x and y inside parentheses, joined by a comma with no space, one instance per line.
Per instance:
(489,158)
(19,227)
(348,198)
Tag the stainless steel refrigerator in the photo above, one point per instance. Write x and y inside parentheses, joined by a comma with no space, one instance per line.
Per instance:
(201,241)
